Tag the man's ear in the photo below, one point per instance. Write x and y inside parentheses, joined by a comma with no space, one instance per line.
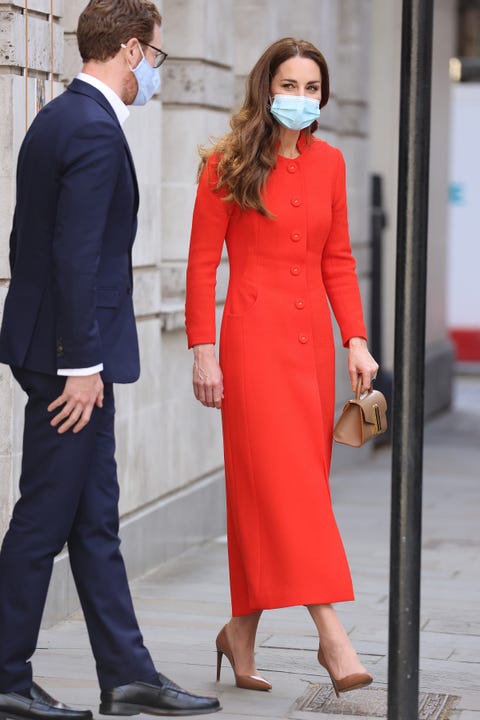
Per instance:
(131,48)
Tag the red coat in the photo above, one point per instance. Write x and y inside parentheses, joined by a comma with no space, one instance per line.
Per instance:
(277,358)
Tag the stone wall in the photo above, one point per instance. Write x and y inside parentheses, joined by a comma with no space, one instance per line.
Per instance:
(30,36)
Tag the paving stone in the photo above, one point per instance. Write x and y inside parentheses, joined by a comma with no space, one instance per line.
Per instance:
(470,699)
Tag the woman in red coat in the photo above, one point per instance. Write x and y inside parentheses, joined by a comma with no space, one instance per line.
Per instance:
(276,195)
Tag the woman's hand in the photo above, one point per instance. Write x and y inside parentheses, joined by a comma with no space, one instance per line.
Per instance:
(207,376)
(360,362)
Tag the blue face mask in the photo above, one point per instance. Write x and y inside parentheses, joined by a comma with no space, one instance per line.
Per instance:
(295,112)
(148,81)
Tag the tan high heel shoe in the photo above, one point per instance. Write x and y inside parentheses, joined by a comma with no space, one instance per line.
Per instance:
(350,682)
(247,682)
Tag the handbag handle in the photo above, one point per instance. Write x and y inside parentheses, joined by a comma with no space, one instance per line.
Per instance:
(358,391)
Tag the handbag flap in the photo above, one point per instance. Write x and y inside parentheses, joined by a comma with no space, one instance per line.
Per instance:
(373,407)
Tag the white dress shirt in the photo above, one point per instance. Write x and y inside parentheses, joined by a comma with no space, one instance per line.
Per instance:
(122,113)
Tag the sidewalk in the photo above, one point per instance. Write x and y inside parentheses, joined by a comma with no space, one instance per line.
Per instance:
(183,604)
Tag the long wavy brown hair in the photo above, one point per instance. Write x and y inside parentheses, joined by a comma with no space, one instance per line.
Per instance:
(248,153)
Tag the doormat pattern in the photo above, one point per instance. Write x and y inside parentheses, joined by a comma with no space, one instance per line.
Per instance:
(369,702)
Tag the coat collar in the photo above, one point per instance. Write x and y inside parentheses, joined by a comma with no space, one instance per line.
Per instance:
(83,88)
(78,86)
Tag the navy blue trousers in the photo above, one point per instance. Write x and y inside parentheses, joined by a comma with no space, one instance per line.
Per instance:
(68,494)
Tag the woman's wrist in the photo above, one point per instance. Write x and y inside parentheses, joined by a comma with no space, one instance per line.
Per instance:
(357,342)
(204,349)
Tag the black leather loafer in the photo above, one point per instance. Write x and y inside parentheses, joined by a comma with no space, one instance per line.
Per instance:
(166,698)
(39,706)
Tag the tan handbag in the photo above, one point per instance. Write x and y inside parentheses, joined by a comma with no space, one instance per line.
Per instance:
(362,418)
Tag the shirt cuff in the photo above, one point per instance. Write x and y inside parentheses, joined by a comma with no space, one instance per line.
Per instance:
(80,372)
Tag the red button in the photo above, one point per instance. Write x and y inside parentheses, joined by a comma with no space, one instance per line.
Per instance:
(299,304)
(292,168)
(295,236)
(303,339)
(296,202)
(295,270)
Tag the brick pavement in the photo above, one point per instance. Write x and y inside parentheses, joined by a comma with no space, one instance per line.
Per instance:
(183,604)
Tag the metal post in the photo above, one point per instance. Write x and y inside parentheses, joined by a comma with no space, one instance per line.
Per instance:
(378,221)
(407,447)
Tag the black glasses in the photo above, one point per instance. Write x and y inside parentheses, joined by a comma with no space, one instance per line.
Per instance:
(160,56)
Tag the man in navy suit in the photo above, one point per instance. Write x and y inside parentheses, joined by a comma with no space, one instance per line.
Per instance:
(69,333)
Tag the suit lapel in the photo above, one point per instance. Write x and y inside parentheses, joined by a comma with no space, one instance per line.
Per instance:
(84,88)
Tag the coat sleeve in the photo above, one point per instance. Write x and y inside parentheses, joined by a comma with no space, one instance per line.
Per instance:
(209,225)
(87,182)
(338,265)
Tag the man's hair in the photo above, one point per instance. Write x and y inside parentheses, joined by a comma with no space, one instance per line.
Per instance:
(105,24)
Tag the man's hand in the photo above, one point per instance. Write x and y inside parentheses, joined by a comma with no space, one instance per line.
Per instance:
(79,396)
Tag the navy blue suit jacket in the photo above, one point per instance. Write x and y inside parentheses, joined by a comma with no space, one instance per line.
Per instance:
(69,304)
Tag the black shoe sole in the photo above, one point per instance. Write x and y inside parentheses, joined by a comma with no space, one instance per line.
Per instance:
(121,708)
(15,716)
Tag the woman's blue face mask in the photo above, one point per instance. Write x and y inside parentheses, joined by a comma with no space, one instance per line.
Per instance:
(295,112)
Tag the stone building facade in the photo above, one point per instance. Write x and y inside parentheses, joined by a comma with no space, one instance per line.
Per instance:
(169,447)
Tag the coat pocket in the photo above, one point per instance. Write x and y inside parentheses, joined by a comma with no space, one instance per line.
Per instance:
(241,300)
(108,297)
